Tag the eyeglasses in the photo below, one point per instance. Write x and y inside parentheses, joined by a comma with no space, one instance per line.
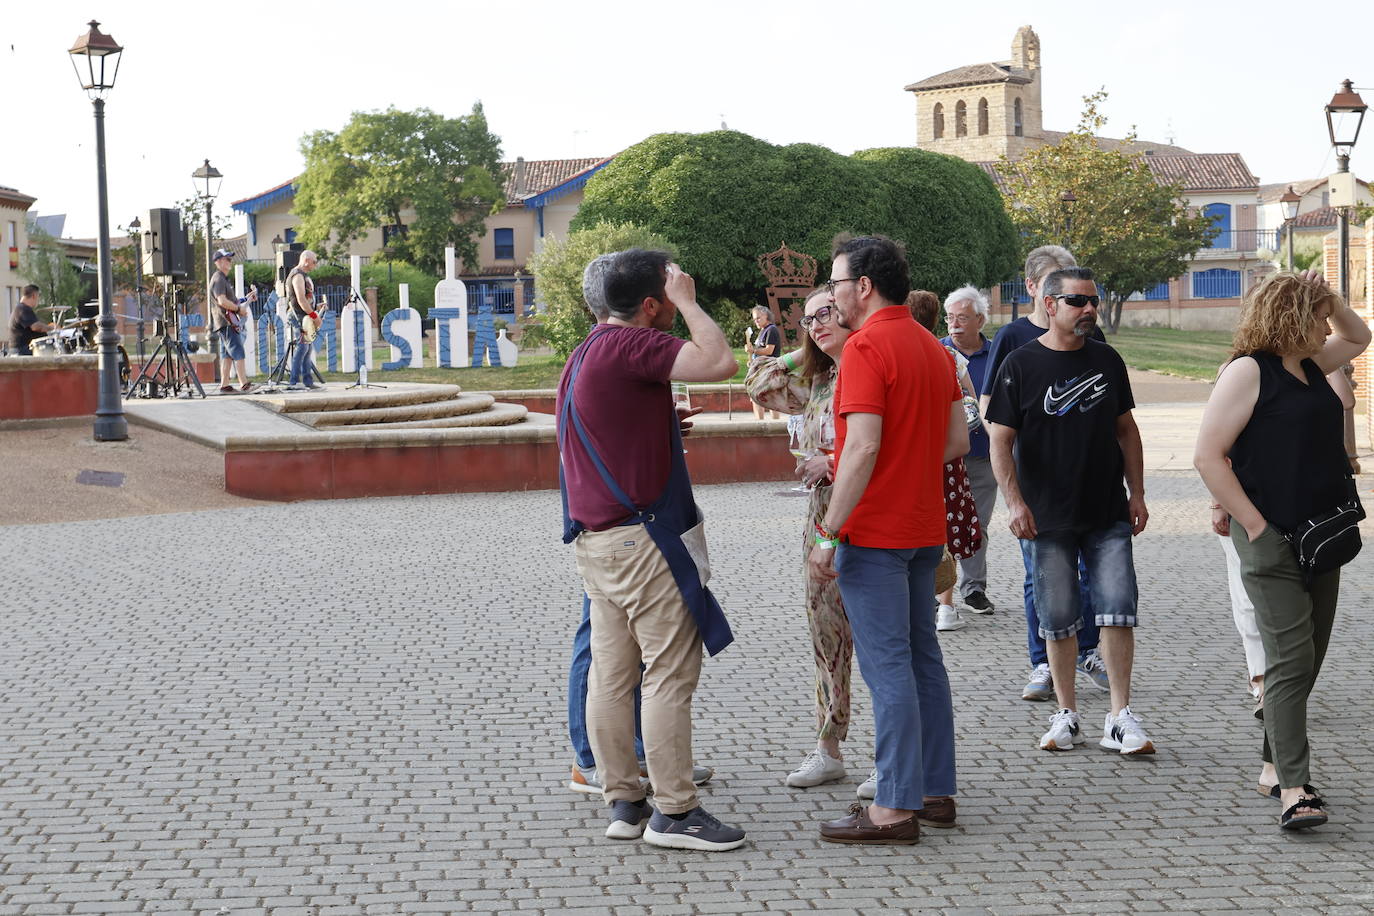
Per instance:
(1078,301)
(830,284)
(961,320)
(821,316)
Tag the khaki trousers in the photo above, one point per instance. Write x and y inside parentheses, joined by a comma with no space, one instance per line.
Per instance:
(638,616)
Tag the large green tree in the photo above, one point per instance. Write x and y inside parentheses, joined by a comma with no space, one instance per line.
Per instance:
(723,198)
(384,165)
(558,268)
(45,265)
(1132,230)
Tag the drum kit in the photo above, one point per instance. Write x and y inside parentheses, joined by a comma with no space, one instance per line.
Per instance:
(77,336)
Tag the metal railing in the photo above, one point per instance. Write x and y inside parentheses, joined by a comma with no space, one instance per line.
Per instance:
(1245,240)
(1217,283)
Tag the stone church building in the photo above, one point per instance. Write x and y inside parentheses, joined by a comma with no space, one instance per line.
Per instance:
(980,112)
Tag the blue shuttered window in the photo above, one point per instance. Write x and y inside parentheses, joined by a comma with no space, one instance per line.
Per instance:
(1217,283)
(504,240)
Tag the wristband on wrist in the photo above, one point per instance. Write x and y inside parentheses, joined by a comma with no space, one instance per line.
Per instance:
(789,362)
(826,543)
(1216,505)
(823,532)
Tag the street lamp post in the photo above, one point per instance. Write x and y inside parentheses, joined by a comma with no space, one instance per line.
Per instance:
(1344,114)
(1066,201)
(136,229)
(95,58)
(207,181)
(1291,201)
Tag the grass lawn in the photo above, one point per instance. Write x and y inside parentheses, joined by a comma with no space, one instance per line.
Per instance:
(1190,354)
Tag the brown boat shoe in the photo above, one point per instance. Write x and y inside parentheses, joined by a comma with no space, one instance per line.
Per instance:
(857,828)
(937,813)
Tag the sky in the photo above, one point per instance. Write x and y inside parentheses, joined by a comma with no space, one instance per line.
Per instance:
(561,80)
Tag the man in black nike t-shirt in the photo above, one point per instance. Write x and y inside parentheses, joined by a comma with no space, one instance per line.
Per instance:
(1062,440)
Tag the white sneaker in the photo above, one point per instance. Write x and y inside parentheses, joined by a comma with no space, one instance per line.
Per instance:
(869,787)
(818,767)
(1064,732)
(1123,732)
(947,618)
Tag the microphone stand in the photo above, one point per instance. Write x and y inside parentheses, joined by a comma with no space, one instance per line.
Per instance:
(359,358)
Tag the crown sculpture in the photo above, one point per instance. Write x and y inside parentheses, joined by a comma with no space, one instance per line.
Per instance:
(786,267)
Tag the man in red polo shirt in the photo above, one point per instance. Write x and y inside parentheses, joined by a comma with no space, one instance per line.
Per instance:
(898,419)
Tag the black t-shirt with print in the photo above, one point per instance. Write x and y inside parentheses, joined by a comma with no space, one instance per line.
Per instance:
(771,335)
(1064,405)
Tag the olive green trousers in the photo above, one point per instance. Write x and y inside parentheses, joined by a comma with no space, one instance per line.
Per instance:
(1295,626)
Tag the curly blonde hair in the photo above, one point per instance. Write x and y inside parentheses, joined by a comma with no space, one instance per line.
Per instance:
(1277,315)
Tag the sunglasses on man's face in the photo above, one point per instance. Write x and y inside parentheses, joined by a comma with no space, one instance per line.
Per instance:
(1079,301)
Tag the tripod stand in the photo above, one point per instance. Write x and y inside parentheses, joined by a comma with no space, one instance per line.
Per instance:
(169,368)
(279,371)
(360,358)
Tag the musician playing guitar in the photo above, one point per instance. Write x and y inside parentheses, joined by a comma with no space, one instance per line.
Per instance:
(229,312)
(300,296)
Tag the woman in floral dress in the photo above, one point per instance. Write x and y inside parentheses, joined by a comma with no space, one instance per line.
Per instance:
(803,383)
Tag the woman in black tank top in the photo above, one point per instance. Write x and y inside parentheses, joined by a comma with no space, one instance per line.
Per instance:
(1271,450)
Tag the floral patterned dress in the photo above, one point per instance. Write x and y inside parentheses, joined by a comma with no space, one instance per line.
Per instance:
(771,385)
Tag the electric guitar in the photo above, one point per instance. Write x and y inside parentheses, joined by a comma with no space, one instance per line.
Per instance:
(311,326)
(235,319)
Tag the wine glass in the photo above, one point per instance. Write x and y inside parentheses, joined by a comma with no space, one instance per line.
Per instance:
(681,400)
(794,434)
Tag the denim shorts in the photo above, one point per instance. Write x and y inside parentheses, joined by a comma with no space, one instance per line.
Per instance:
(230,343)
(1107,556)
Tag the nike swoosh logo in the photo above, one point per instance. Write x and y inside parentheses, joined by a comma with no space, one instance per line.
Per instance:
(1061,402)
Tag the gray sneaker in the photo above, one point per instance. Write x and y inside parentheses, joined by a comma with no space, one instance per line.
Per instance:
(700,775)
(698,830)
(628,819)
(1041,685)
(1091,664)
(588,781)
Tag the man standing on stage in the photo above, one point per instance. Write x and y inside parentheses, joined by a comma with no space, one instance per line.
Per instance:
(229,322)
(300,296)
(899,418)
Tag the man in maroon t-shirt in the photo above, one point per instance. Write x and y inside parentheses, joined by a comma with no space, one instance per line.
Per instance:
(624,407)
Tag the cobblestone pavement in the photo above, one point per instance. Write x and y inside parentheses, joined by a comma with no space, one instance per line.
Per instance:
(377,725)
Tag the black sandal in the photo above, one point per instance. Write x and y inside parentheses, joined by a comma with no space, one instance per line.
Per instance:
(1291,820)
(1276,793)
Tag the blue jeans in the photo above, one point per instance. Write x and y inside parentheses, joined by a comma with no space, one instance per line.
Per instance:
(300,361)
(577,693)
(1087,633)
(1107,554)
(889,595)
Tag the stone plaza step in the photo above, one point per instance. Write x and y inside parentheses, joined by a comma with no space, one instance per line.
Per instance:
(453,407)
(494,415)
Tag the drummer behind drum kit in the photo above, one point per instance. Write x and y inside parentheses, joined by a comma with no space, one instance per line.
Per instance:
(78,335)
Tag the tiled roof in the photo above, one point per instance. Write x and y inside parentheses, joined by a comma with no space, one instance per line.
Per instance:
(540,176)
(14,197)
(1270,193)
(1196,171)
(1114,145)
(543,174)
(1204,171)
(1320,218)
(972,75)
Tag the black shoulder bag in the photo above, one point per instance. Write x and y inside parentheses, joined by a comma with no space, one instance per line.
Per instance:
(1330,539)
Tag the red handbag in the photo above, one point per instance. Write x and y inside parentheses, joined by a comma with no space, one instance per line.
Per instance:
(963,528)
